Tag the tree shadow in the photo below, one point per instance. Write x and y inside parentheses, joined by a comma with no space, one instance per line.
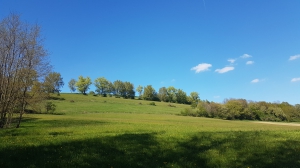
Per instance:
(206,149)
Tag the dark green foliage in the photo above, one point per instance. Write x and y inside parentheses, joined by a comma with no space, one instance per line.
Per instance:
(240,109)
(50,107)
(181,97)
(55,98)
(152,103)
(149,93)
(163,94)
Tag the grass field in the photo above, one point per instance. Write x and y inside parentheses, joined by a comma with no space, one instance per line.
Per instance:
(114,132)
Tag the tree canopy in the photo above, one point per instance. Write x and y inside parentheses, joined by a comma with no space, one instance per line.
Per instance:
(83,84)
(54,82)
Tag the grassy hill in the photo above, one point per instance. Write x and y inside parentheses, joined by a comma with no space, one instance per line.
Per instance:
(97,104)
(116,132)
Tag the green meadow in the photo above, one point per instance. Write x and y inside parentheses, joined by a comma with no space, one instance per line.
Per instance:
(89,131)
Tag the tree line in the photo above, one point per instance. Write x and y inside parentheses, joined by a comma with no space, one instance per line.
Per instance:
(27,80)
(230,109)
(241,109)
(126,90)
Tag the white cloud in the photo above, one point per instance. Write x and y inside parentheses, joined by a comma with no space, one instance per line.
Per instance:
(231,60)
(217,97)
(255,81)
(249,62)
(294,57)
(245,56)
(225,69)
(201,67)
(295,79)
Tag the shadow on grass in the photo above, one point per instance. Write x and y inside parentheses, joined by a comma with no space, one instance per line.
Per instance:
(235,149)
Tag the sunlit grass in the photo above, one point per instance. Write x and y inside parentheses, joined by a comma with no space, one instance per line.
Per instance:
(148,138)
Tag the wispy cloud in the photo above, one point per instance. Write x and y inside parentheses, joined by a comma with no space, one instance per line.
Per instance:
(231,60)
(225,69)
(217,97)
(173,80)
(295,80)
(245,56)
(201,67)
(294,57)
(255,81)
(249,62)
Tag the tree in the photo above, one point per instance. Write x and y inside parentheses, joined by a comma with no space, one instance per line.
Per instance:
(163,94)
(72,85)
(119,88)
(129,90)
(23,62)
(172,91)
(54,82)
(110,88)
(149,93)
(102,86)
(139,89)
(181,97)
(195,97)
(83,84)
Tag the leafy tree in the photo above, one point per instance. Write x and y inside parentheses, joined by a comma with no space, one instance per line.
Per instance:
(235,107)
(163,94)
(102,86)
(54,82)
(110,88)
(204,108)
(215,109)
(139,89)
(72,85)
(50,107)
(23,62)
(83,84)
(119,88)
(172,91)
(129,90)
(195,96)
(181,96)
(149,93)
(289,110)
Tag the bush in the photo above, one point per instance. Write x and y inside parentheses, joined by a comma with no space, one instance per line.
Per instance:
(92,93)
(152,104)
(194,105)
(50,107)
(188,112)
(170,105)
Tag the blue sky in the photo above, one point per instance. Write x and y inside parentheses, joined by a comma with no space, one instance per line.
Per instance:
(222,49)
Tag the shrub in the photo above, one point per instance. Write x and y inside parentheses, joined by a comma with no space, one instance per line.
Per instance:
(92,93)
(170,105)
(50,107)
(194,105)
(152,103)
(188,112)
